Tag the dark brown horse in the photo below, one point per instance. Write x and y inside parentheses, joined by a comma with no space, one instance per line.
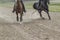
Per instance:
(19,10)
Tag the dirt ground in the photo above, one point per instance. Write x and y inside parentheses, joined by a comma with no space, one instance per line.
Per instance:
(32,28)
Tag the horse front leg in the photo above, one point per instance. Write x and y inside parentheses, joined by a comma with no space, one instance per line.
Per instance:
(40,14)
(17,18)
(21,14)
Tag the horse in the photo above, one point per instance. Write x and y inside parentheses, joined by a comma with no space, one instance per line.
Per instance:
(19,10)
(42,5)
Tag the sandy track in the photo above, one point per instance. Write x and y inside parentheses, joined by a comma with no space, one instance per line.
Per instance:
(33,27)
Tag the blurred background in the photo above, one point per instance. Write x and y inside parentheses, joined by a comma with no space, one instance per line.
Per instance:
(54,5)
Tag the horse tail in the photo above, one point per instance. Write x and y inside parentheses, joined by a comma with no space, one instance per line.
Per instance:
(36,5)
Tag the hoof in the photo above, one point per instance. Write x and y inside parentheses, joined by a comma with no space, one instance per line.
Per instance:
(43,18)
(21,22)
(12,11)
(49,19)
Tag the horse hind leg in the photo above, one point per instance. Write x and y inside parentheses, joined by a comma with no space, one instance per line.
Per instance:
(48,14)
(41,14)
(17,18)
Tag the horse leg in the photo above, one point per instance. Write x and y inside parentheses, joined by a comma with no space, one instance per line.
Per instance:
(41,14)
(17,16)
(21,14)
(48,14)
